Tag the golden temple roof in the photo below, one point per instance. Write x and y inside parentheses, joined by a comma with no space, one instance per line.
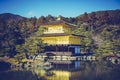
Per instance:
(59,22)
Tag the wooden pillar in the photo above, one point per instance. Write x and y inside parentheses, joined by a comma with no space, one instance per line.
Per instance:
(68,48)
(56,48)
(68,66)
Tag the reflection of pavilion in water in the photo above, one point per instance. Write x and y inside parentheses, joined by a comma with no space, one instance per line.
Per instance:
(67,65)
(66,71)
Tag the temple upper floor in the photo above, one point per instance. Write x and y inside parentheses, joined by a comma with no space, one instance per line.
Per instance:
(58,27)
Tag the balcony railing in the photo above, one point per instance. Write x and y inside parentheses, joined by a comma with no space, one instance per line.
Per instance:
(59,53)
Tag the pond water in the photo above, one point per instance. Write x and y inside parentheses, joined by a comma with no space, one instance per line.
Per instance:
(66,70)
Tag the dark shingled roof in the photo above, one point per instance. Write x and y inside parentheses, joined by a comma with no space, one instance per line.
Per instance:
(59,22)
(58,34)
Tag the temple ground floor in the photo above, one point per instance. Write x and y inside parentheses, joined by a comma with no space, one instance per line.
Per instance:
(65,50)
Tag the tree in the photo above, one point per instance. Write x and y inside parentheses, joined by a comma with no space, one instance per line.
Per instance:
(11,37)
(33,45)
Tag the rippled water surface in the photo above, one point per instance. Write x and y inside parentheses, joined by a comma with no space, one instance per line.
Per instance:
(66,70)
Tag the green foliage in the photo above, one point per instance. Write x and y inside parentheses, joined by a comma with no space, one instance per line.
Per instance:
(40,30)
(110,47)
(33,45)
(86,41)
(11,37)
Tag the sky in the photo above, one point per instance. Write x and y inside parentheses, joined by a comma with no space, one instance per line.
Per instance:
(66,8)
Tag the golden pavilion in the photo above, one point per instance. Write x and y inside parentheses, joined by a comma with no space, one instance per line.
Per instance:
(59,38)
